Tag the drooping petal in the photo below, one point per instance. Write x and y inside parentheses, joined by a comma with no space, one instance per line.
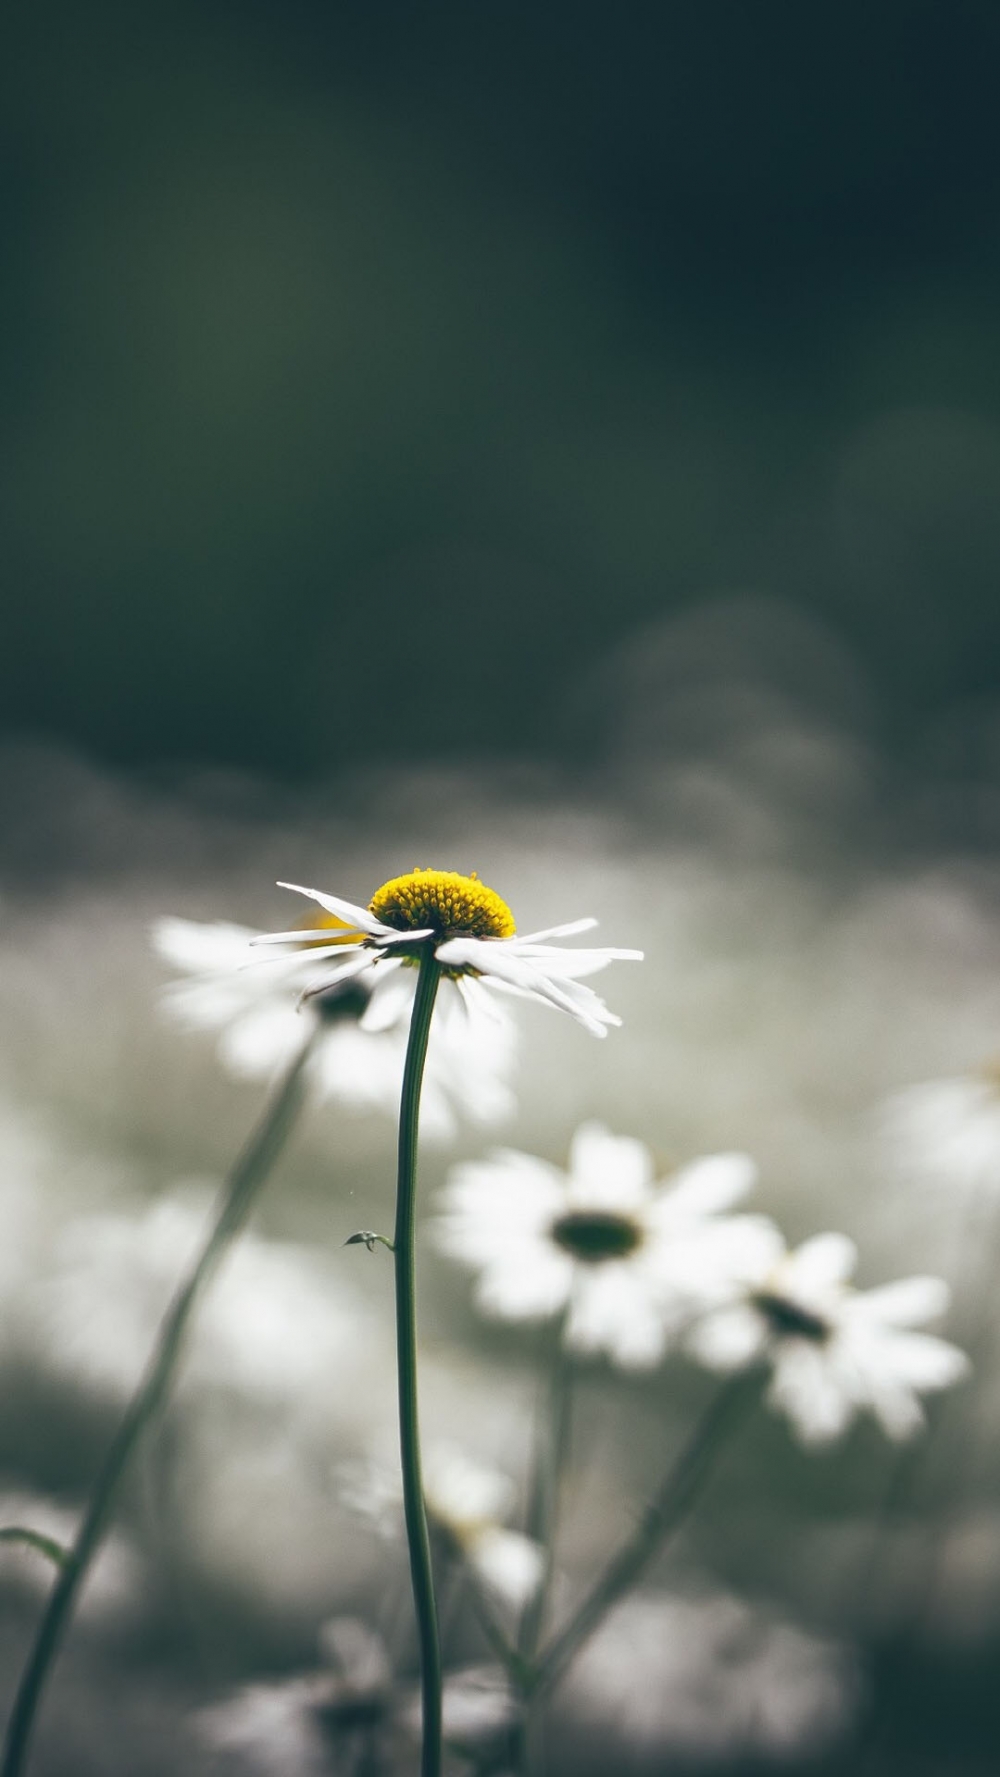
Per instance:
(357,918)
(494,958)
(805,1387)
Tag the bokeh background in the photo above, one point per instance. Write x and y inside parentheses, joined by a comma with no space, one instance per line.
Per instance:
(562,442)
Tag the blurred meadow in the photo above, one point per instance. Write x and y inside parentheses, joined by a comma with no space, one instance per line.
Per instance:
(562,444)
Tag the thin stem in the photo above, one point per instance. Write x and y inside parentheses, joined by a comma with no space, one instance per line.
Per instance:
(245,1180)
(417,1537)
(662,1516)
(551,1452)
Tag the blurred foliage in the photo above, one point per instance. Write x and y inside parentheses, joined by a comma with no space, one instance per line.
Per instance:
(371,371)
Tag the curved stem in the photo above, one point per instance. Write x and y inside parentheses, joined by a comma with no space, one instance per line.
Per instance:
(662,1516)
(245,1180)
(417,1537)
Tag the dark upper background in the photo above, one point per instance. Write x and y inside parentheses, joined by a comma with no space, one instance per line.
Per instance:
(371,371)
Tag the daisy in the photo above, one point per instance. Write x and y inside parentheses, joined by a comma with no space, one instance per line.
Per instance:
(256,1005)
(947,1132)
(467,1504)
(472,934)
(833,1350)
(626,1258)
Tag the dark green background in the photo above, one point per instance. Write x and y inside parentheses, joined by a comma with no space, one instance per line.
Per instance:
(370,371)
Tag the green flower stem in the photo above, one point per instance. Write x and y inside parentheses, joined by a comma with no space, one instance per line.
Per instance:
(551,1453)
(662,1516)
(417,1537)
(245,1180)
(552,1443)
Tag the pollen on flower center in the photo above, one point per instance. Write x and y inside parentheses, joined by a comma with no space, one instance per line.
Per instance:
(443,902)
(790,1319)
(595,1235)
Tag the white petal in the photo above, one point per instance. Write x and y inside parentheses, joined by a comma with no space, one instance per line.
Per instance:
(565,931)
(392,997)
(508,1564)
(357,917)
(907,1303)
(532,1291)
(613,1170)
(493,958)
(311,936)
(820,1264)
(706,1186)
(462,1493)
(202,948)
(805,1387)
(925,1362)
(261,1041)
(727,1339)
(609,1311)
(567,965)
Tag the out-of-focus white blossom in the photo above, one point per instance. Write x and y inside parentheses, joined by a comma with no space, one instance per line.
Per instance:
(706,1678)
(348,1714)
(946,1133)
(466,1502)
(833,1350)
(256,1004)
(626,1257)
(301,1726)
(276,1323)
(470,1503)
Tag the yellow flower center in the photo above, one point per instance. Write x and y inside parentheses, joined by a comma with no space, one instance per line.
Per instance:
(442,901)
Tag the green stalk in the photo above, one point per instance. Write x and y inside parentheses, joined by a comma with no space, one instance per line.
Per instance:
(245,1180)
(662,1516)
(417,1537)
(552,1441)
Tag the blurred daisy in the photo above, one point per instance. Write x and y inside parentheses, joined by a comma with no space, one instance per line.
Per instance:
(467,1504)
(256,1006)
(947,1132)
(351,1714)
(833,1350)
(706,1679)
(628,1259)
(473,935)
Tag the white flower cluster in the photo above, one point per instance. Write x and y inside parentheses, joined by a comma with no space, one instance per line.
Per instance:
(637,1266)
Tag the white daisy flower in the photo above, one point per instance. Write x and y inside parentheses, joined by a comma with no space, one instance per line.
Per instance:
(628,1259)
(833,1350)
(473,935)
(469,1503)
(707,1681)
(255,1003)
(466,1502)
(946,1133)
